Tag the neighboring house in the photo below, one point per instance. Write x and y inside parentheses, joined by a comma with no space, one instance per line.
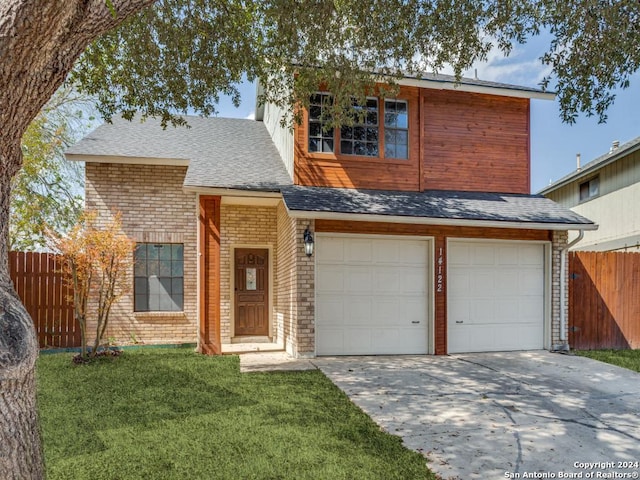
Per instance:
(426,238)
(606,190)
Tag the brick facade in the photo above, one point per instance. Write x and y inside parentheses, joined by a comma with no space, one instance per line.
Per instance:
(295,290)
(244,226)
(559,241)
(154,209)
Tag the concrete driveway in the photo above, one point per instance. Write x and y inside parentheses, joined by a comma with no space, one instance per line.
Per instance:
(502,415)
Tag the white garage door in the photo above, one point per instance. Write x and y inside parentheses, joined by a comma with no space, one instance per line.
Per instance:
(495,296)
(371,296)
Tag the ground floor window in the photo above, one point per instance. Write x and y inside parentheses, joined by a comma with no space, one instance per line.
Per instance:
(159,277)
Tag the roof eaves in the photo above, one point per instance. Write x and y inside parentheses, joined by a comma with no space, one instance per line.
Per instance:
(476,86)
(123,159)
(561,226)
(464,84)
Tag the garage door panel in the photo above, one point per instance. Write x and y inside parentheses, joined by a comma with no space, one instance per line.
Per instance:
(459,311)
(386,280)
(330,309)
(358,280)
(508,282)
(358,310)
(331,339)
(530,308)
(531,255)
(481,283)
(330,279)
(531,282)
(332,251)
(458,254)
(458,279)
(483,310)
(414,280)
(508,255)
(413,253)
(357,341)
(358,251)
(495,296)
(383,309)
(507,310)
(524,337)
(386,252)
(482,255)
(477,338)
(384,341)
(378,298)
(413,310)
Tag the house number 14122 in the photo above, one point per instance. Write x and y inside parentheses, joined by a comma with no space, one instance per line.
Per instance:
(440,275)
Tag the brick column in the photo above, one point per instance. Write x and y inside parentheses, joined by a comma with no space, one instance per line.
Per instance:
(559,241)
(305,295)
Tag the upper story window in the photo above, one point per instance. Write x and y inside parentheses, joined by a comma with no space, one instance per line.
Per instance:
(369,136)
(590,188)
(320,138)
(396,129)
(159,277)
(362,137)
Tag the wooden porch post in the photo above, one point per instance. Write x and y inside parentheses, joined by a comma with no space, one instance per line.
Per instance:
(209,341)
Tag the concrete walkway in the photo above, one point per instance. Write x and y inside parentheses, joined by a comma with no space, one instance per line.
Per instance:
(491,416)
(272,362)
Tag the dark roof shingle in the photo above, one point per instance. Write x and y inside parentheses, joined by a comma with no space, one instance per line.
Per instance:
(433,204)
(221,152)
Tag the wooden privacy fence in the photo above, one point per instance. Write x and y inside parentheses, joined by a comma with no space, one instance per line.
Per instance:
(38,279)
(604,300)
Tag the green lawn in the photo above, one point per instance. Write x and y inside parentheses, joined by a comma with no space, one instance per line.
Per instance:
(623,358)
(172,414)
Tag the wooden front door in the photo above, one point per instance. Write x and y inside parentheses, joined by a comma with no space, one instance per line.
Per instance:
(251,291)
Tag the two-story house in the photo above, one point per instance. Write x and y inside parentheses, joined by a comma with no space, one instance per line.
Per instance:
(606,190)
(412,232)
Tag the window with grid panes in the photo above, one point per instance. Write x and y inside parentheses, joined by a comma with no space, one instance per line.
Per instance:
(362,137)
(320,137)
(396,129)
(159,277)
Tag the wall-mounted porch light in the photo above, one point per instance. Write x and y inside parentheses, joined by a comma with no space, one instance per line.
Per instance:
(308,242)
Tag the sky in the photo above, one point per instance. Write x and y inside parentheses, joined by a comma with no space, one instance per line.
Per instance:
(554,144)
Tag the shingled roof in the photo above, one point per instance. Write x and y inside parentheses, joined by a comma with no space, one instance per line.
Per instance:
(435,206)
(219,152)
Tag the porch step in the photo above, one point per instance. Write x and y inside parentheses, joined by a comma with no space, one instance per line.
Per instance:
(251,339)
(239,348)
(273,362)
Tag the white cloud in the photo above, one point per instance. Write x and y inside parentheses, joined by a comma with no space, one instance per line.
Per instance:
(522,67)
(251,116)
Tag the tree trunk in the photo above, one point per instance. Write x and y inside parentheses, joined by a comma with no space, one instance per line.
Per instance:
(39,43)
(20,453)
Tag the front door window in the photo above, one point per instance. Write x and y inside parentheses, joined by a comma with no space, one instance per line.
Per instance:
(251,291)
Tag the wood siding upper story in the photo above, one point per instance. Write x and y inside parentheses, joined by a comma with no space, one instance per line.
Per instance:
(475,142)
(457,141)
(350,171)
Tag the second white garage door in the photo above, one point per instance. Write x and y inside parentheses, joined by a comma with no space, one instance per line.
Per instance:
(371,295)
(495,296)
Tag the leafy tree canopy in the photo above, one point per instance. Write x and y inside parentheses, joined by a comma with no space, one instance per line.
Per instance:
(179,55)
(46,193)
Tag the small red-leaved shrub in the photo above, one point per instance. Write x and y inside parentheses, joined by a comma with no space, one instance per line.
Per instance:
(98,260)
